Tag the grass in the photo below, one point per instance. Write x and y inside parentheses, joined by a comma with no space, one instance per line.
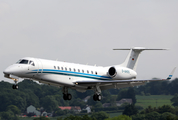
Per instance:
(114,114)
(153,100)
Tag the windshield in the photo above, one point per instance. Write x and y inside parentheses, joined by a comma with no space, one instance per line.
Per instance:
(23,61)
(18,61)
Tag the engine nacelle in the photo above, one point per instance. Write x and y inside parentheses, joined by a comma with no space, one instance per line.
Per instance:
(121,73)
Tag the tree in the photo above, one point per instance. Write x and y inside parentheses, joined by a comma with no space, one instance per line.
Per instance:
(127,93)
(149,109)
(174,100)
(49,103)
(152,116)
(167,116)
(165,108)
(78,102)
(99,115)
(8,115)
(86,117)
(130,110)
(14,109)
(59,112)
(138,117)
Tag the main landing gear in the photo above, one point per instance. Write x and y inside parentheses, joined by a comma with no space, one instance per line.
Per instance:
(66,95)
(97,96)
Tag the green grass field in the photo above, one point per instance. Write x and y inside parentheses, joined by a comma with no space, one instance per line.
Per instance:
(153,100)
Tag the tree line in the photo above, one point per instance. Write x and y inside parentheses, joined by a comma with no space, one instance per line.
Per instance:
(49,97)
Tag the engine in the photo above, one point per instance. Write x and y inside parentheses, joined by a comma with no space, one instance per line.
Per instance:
(121,73)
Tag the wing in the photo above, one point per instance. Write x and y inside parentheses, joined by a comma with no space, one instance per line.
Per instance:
(105,82)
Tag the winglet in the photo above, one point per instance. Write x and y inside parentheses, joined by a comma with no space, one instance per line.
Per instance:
(170,76)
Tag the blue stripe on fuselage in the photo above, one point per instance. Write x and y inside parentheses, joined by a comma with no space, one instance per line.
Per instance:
(70,73)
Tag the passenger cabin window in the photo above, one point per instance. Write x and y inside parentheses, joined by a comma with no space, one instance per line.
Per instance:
(62,68)
(54,67)
(83,71)
(91,72)
(96,73)
(78,70)
(74,69)
(66,69)
(69,69)
(87,71)
(58,67)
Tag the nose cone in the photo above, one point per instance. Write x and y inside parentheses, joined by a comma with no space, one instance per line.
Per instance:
(10,70)
(7,71)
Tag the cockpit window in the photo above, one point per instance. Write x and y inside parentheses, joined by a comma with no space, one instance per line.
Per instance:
(18,61)
(32,63)
(23,61)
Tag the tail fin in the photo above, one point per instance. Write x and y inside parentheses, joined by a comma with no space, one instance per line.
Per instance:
(132,58)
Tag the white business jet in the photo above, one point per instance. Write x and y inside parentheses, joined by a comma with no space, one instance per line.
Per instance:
(80,77)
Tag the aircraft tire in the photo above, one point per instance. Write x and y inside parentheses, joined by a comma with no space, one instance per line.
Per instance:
(65,96)
(69,96)
(95,97)
(99,97)
(16,86)
(13,86)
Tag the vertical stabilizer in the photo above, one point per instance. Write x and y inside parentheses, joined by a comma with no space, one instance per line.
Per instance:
(133,56)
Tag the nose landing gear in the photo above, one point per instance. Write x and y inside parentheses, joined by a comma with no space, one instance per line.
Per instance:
(15,86)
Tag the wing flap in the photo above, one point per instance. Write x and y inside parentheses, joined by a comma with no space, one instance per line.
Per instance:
(113,81)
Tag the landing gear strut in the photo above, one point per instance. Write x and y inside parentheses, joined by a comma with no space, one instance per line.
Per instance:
(66,95)
(97,95)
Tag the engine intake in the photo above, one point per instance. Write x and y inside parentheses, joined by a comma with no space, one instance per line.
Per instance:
(112,72)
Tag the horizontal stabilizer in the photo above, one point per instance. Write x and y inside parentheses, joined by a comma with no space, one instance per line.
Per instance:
(141,48)
(132,58)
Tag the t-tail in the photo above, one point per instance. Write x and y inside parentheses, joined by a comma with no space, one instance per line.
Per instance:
(133,56)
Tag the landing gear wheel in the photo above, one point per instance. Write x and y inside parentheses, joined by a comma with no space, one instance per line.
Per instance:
(95,97)
(15,86)
(99,97)
(67,96)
